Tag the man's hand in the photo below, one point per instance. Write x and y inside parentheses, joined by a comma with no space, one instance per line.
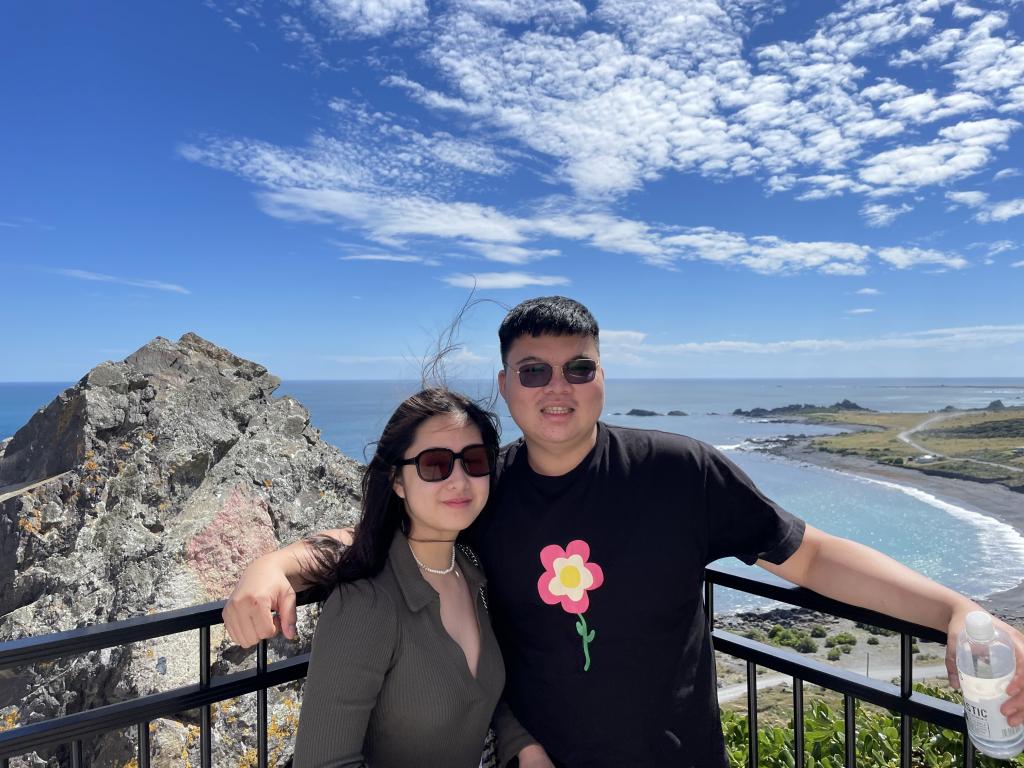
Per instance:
(1013,707)
(263,589)
(534,756)
(267,586)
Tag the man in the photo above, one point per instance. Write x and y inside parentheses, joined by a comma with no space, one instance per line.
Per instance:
(595,543)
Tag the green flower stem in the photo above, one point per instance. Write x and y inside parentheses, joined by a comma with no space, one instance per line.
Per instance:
(588,637)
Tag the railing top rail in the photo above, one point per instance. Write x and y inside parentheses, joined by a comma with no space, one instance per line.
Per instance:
(16,653)
(805,598)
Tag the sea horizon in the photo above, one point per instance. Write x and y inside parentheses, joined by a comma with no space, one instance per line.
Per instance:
(906,523)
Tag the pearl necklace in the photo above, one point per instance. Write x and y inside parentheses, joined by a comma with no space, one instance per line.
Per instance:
(438,571)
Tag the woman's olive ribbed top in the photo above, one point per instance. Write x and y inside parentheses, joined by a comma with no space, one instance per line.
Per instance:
(387,686)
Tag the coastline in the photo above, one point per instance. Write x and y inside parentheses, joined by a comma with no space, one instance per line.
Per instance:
(989,499)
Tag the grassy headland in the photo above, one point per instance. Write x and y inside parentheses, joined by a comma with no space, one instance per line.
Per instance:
(985,446)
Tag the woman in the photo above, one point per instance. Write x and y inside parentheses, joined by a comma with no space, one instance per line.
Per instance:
(405,670)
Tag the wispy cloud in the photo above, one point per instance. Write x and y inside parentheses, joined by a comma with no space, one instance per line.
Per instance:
(1017,264)
(868,291)
(860,311)
(882,215)
(988,211)
(1008,209)
(904,258)
(155,285)
(950,339)
(1006,173)
(503,280)
(392,258)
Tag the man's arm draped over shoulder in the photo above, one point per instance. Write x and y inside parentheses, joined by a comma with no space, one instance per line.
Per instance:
(267,587)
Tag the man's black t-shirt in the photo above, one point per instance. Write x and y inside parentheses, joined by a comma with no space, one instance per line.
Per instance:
(617,547)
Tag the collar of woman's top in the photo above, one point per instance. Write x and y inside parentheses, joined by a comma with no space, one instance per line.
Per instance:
(415,589)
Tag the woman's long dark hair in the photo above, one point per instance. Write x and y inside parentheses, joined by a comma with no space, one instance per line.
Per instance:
(383,510)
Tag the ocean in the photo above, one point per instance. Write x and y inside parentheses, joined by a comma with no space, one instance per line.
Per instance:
(955,545)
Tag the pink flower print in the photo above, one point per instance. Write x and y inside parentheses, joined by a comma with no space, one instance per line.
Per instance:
(567,580)
(568,576)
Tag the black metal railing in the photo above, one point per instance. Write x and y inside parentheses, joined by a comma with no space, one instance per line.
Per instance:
(72,730)
(901,699)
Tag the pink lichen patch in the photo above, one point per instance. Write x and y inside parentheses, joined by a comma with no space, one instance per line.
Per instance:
(237,535)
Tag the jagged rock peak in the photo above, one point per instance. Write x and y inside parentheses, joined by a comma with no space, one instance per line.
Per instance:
(148,486)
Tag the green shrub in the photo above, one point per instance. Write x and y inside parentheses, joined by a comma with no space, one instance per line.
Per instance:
(806,645)
(872,640)
(818,631)
(875,630)
(833,655)
(843,638)
(878,740)
(754,634)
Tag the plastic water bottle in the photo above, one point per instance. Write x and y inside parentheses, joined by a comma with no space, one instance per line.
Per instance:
(986,663)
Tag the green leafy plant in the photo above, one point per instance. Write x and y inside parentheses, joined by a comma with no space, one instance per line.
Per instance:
(878,740)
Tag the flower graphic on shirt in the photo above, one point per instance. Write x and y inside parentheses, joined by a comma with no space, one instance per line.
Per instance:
(567,580)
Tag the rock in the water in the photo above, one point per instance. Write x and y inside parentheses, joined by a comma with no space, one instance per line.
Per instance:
(642,412)
(678,413)
(148,486)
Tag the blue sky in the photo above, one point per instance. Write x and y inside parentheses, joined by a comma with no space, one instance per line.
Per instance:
(736,188)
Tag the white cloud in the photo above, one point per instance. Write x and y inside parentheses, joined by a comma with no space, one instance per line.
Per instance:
(904,258)
(614,338)
(370,17)
(1006,173)
(860,311)
(503,280)
(155,285)
(868,291)
(960,150)
(972,199)
(1007,209)
(1017,264)
(882,215)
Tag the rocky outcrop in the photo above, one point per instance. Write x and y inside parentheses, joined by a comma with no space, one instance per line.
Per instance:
(145,487)
(796,409)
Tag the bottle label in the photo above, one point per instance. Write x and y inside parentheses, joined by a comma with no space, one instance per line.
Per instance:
(982,699)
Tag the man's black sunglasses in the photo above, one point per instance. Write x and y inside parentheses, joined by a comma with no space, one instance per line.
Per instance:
(436,464)
(579,371)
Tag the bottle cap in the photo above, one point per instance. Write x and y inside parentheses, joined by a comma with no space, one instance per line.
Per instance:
(979,627)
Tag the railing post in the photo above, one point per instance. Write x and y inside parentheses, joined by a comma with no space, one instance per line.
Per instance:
(906,689)
(850,729)
(261,707)
(144,745)
(205,747)
(798,722)
(968,751)
(709,601)
(76,754)
(752,757)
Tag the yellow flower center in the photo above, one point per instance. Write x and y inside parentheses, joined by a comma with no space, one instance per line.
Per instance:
(570,576)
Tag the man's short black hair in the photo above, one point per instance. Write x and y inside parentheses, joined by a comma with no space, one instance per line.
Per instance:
(546,315)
